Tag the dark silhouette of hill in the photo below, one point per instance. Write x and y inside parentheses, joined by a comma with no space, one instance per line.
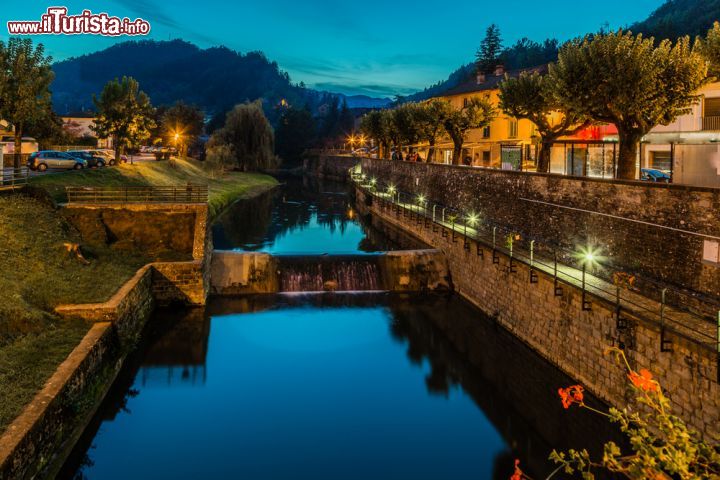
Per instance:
(215,78)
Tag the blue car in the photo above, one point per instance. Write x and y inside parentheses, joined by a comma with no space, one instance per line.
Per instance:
(654,175)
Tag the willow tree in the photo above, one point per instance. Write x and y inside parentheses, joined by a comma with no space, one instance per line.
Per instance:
(476,113)
(246,139)
(25,77)
(530,96)
(124,113)
(630,82)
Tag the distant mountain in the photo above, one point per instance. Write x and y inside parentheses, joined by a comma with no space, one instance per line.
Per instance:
(214,79)
(363,101)
(676,18)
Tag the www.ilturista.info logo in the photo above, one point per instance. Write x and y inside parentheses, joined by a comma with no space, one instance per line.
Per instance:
(57,22)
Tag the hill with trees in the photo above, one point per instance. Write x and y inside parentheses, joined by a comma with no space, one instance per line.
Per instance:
(673,19)
(215,79)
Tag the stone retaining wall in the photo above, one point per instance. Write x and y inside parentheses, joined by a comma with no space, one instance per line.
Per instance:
(653,230)
(571,338)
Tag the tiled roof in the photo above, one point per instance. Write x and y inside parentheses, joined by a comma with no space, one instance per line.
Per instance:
(491,81)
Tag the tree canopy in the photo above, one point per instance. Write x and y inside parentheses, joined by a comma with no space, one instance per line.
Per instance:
(25,78)
(246,141)
(530,96)
(476,113)
(627,80)
(488,55)
(124,113)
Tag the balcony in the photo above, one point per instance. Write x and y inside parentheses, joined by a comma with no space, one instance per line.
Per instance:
(711,123)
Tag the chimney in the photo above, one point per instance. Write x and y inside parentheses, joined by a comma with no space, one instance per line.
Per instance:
(499,70)
(480,78)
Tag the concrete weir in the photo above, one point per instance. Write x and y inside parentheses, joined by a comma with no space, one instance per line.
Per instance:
(237,273)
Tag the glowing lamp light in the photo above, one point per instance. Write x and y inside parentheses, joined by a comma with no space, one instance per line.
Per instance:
(473,219)
(421,199)
(373,181)
(589,256)
(391,189)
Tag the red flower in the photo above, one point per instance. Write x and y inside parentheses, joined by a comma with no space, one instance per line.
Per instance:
(570,395)
(644,381)
(517,474)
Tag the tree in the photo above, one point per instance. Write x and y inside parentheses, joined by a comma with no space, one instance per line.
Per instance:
(488,55)
(124,113)
(430,121)
(530,96)
(247,138)
(25,77)
(476,113)
(626,80)
(709,48)
(376,125)
(294,134)
(181,125)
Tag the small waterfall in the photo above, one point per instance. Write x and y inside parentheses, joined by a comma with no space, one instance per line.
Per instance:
(329,273)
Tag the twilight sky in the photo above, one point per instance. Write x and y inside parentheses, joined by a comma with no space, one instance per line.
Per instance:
(373,47)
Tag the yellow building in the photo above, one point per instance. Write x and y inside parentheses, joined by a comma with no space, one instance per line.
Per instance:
(505,142)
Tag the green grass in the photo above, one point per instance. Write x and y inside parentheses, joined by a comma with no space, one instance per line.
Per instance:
(27,363)
(224,188)
(36,274)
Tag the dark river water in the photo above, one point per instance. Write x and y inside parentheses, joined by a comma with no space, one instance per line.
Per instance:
(328,386)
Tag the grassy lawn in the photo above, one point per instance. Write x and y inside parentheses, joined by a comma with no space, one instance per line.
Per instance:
(37,275)
(224,188)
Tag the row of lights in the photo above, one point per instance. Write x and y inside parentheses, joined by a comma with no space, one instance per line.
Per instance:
(589,256)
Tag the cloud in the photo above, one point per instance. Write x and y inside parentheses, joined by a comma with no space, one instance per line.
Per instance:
(371,90)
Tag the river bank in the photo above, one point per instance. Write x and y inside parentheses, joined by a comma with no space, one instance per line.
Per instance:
(40,275)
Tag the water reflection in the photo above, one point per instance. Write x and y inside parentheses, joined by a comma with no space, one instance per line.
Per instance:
(303,216)
(337,386)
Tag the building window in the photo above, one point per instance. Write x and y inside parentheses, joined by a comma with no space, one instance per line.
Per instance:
(465,102)
(486,132)
(660,160)
(711,114)
(512,128)
(486,157)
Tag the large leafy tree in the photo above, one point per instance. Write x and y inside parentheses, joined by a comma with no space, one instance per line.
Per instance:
(247,139)
(25,78)
(377,125)
(476,113)
(181,125)
(628,81)
(488,55)
(124,113)
(530,96)
(430,120)
(709,48)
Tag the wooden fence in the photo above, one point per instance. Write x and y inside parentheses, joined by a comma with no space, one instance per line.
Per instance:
(190,193)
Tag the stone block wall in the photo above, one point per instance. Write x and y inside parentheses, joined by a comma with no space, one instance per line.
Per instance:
(656,231)
(571,338)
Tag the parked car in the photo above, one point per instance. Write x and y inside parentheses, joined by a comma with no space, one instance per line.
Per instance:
(45,159)
(108,155)
(654,175)
(93,161)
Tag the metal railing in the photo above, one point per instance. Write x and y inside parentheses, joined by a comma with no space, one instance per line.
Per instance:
(12,178)
(711,123)
(190,193)
(669,308)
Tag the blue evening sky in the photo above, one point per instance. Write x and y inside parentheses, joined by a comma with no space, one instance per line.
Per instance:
(374,47)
